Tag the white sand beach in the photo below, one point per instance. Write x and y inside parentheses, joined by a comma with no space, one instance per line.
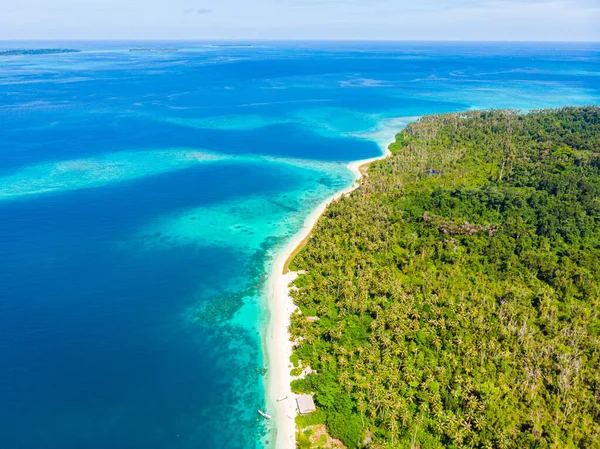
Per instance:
(281,306)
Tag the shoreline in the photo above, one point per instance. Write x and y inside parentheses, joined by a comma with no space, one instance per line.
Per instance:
(281,306)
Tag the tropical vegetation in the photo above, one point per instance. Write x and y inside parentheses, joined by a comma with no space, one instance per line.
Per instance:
(454,296)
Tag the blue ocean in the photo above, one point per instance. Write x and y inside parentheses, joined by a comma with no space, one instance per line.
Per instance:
(145,189)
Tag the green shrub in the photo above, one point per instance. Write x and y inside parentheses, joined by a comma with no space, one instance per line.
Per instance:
(347,428)
(312,419)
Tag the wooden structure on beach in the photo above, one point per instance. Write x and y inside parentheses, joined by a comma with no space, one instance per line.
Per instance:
(305,404)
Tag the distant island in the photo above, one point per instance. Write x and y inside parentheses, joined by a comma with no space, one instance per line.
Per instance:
(452,299)
(154,50)
(234,45)
(38,51)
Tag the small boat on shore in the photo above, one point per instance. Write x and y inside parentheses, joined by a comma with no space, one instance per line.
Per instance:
(282,398)
(264,415)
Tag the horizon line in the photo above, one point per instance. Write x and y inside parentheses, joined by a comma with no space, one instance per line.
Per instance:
(295,40)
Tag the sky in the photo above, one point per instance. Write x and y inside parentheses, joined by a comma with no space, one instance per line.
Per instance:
(489,20)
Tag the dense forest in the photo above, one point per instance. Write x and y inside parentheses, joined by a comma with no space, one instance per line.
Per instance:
(453,299)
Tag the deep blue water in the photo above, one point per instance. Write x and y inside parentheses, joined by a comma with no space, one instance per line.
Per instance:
(143,195)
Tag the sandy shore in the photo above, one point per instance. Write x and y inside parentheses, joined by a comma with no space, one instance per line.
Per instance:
(281,306)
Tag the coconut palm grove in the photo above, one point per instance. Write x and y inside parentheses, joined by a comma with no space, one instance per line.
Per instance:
(452,300)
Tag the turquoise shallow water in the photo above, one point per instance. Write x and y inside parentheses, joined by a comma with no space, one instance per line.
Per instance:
(144,194)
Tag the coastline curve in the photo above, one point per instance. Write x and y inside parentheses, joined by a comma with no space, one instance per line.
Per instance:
(278,347)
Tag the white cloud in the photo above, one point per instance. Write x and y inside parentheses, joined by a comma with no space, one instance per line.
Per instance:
(200,11)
